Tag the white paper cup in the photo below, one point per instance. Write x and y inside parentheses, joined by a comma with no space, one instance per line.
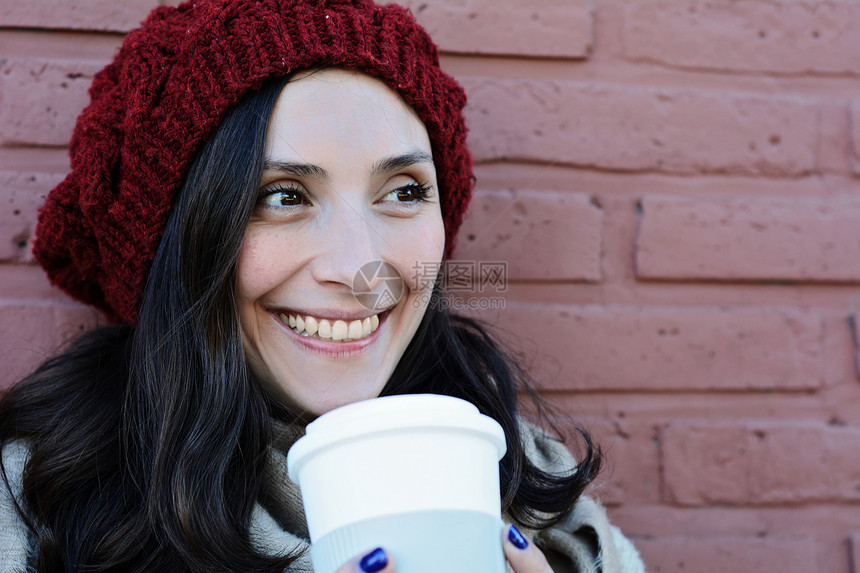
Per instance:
(415,474)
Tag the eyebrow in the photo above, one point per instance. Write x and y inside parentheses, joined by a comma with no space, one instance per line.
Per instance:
(385,165)
(401,161)
(297,169)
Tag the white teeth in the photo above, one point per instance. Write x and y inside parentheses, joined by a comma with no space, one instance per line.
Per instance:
(324,329)
(311,325)
(339,330)
(354,329)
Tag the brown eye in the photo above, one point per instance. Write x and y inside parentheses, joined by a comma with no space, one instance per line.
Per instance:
(283,197)
(406,194)
(289,198)
(411,193)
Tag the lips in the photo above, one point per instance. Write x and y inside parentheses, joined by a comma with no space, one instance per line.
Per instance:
(345,348)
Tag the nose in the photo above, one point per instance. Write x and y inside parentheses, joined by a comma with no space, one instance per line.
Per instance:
(347,241)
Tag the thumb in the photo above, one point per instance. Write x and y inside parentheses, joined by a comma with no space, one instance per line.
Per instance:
(523,556)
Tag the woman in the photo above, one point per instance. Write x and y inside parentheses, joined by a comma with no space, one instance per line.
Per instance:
(238,164)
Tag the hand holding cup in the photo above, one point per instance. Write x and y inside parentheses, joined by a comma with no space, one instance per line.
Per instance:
(523,556)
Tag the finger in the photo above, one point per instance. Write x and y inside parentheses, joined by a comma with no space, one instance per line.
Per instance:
(523,556)
(376,561)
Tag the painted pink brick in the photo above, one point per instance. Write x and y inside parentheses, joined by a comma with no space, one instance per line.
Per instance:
(721,554)
(21,195)
(42,99)
(540,234)
(554,28)
(753,36)
(631,472)
(668,349)
(550,28)
(748,239)
(742,463)
(854,128)
(31,330)
(91,15)
(34,159)
(635,128)
(854,552)
(835,147)
(28,282)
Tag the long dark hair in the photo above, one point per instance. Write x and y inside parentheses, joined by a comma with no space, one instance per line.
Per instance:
(148,444)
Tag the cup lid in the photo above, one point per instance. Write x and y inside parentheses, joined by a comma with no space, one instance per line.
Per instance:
(392,414)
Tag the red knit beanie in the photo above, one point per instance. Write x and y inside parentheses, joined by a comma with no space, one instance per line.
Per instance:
(167,90)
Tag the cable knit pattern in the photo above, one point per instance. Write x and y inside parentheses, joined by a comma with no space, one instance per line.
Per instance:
(14,542)
(168,89)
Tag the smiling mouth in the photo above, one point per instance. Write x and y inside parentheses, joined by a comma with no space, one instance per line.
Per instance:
(330,330)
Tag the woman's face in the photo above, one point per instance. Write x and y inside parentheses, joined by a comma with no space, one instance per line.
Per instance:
(348,180)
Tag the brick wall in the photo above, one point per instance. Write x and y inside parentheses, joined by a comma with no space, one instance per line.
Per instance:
(674,187)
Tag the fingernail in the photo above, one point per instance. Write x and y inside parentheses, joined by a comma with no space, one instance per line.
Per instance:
(374,561)
(517,538)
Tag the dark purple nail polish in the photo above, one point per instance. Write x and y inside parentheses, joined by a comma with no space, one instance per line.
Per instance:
(517,538)
(374,561)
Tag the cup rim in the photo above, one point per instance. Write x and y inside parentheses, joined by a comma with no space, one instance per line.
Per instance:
(402,413)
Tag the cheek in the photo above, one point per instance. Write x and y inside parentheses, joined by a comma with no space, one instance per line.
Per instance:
(256,269)
(420,259)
